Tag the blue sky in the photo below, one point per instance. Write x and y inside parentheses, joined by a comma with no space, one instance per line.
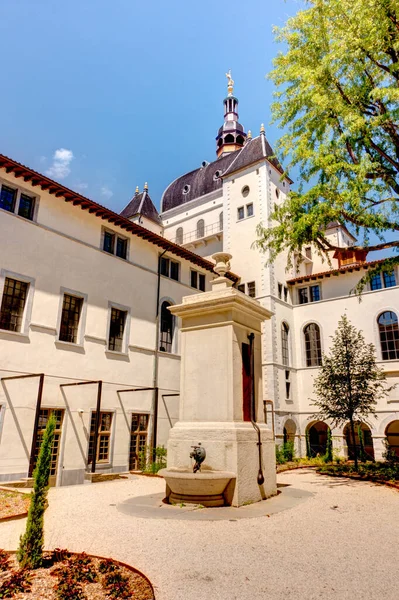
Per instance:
(130,91)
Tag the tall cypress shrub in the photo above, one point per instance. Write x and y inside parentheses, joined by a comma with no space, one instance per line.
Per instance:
(30,551)
(308,450)
(328,457)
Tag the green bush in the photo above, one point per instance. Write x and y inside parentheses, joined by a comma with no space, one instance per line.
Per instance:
(150,464)
(30,551)
(328,457)
(285,453)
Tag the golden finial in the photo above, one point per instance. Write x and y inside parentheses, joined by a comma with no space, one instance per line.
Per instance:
(230,83)
(146,187)
(249,135)
(137,189)
(262,128)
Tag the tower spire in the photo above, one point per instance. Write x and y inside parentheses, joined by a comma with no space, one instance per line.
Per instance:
(231,136)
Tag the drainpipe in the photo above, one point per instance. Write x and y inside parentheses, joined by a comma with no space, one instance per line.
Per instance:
(156,363)
(260,477)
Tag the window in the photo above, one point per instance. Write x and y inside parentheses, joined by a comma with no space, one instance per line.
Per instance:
(383,280)
(308,252)
(116,329)
(13,304)
(169,268)
(198,281)
(201,228)
(285,294)
(312,345)
(287,386)
(309,294)
(221,222)
(251,289)
(241,288)
(240,213)
(121,247)
(8,197)
(115,244)
(44,416)
(167,328)
(70,317)
(280,289)
(285,344)
(138,439)
(179,235)
(389,335)
(250,210)
(103,437)
(26,207)
(245,191)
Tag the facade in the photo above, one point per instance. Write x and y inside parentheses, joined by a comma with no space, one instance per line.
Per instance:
(84,319)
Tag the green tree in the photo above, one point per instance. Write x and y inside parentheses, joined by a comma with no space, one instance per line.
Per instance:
(328,457)
(30,551)
(349,382)
(338,101)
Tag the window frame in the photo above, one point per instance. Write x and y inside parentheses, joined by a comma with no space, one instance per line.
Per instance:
(27,313)
(18,192)
(285,344)
(173,343)
(396,344)
(254,284)
(308,289)
(110,435)
(117,236)
(382,280)
(82,319)
(250,204)
(305,354)
(126,330)
(240,208)
(169,269)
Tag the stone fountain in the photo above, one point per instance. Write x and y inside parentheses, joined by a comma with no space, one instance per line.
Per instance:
(221,397)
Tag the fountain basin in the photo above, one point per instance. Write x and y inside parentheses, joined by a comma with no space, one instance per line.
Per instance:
(207,487)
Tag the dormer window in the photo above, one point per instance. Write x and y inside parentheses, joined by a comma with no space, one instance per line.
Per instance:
(217,175)
(186,189)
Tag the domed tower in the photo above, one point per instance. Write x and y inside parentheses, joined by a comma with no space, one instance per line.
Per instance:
(231,136)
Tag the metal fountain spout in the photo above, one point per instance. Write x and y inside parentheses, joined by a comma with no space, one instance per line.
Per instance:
(199,455)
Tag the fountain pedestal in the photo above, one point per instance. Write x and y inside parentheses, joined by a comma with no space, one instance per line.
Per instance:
(221,392)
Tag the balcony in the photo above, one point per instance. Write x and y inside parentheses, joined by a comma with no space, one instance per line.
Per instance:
(201,235)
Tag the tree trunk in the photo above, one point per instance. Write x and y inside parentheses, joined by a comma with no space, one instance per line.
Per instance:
(354,444)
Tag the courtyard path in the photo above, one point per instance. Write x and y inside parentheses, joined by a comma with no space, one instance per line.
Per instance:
(340,543)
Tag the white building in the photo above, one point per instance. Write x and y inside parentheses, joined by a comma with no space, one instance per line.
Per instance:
(84,295)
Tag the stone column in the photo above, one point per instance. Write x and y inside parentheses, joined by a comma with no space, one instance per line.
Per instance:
(214,327)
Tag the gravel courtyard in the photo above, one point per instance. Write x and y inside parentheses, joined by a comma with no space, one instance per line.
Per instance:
(340,542)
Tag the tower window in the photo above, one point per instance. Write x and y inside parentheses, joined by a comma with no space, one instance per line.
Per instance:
(229,139)
(200,228)
(250,210)
(179,235)
(245,191)
(240,213)
(240,140)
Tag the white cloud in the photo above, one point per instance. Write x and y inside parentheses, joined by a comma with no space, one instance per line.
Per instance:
(81,187)
(106,192)
(61,160)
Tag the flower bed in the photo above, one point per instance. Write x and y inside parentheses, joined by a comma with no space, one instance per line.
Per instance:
(69,576)
(13,505)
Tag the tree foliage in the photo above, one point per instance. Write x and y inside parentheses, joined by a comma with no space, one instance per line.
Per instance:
(338,101)
(349,382)
(30,551)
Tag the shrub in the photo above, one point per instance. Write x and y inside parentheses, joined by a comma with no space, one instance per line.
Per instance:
(69,589)
(389,453)
(30,551)
(4,560)
(19,581)
(82,568)
(108,566)
(59,555)
(117,585)
(285,453)
(308,450)
(150,464)
(328,457)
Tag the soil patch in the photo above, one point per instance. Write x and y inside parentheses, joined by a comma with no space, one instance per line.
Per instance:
(97,578)
(13,504)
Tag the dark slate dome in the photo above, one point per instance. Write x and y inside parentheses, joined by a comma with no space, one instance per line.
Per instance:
(209,178)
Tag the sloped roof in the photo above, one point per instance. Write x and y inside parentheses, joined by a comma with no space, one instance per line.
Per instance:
(205,180)
(60,191)
(345,268)
(141,204)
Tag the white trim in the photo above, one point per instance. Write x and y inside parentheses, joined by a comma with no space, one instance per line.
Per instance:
(26,318)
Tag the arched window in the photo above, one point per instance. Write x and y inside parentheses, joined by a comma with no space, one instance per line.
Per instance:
(229,139)
(221,222)
(200,228)
(389,335)
(312,345)
(166,328)
(285,344)
(179,235)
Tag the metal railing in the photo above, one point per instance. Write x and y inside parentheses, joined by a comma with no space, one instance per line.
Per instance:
(199,233)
